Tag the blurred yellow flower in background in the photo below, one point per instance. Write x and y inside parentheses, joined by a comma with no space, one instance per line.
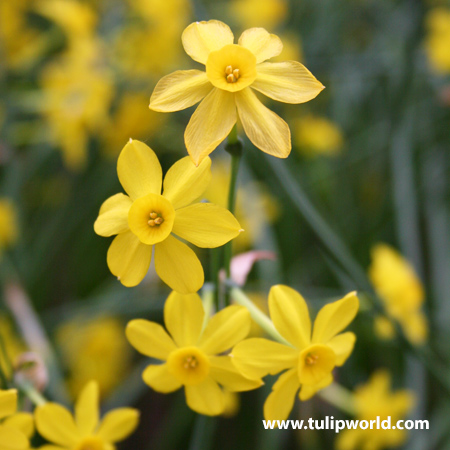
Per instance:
(150,46)
(376,399)
(193,352)
(146,218)
(94,348)
(259,13)
(77,93)
(84,430)
(308,359)
(12,344)
(130,118)
(399,287)
(437,41)
(20,43)
(9,228)
(226,88)
(256,208)
(314,135)
(16,428)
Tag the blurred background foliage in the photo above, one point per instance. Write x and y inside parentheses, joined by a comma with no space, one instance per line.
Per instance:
(370,163)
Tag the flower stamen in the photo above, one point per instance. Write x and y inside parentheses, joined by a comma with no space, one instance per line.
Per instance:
(232,75)
(190,362)
(155,219)
(311,359)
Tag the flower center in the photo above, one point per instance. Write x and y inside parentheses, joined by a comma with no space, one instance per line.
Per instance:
(232,68)
(90,443)
(232,75)
(189,365)
(155,219)
(315,363)
(151,218)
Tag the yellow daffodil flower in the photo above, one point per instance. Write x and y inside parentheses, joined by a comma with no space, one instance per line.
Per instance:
(308,360)
(399,287)
(263,13)
(193,352)
(232,72)
(15,428)
(373,399)
(8,223)
(437,41)
(317,136)
(13,345)
(144,218)
(84,430)
(94,349)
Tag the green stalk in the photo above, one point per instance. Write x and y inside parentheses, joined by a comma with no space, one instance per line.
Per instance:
(340,397)
(257,315)
(234,148)
(33,394)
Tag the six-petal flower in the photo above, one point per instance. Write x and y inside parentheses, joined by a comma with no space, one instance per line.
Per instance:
(233,72)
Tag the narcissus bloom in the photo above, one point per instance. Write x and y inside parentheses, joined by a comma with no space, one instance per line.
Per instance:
(376,399)
(401,290)
(193,352)
(144,219)
(308,360)
(15,428)
(232,72)
(84,430)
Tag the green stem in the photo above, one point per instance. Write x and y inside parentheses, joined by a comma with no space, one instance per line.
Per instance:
(4,357)
(257,315)
(234,148)
(208,291)
(340,397)
(203,433)
(34,395)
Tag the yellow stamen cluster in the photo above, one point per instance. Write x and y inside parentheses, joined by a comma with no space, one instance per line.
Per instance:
(311,359)
(232,75)
(155,219)
(190,362)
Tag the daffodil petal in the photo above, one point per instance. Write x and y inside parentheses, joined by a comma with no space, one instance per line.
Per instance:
(87,409)
(206,225)
(12,439)
(179,90)
(334,317)
(307,392)
(113,216)
(178,266)
(279,403)
(129,259)
(21,421)
(160,379)
(201,38)
(342,345)
(288,82)
(205,398)
(183,316)
(150,339)
(139,170)
(118,424)
(257,357)
(225,373)
(261,43)
(210,124)
(56,424)
(267,131)
(186,182)
(8,402)
(226,328)
(289,313)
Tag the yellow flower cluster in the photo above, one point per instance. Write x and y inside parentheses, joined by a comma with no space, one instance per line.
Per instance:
(400,289)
